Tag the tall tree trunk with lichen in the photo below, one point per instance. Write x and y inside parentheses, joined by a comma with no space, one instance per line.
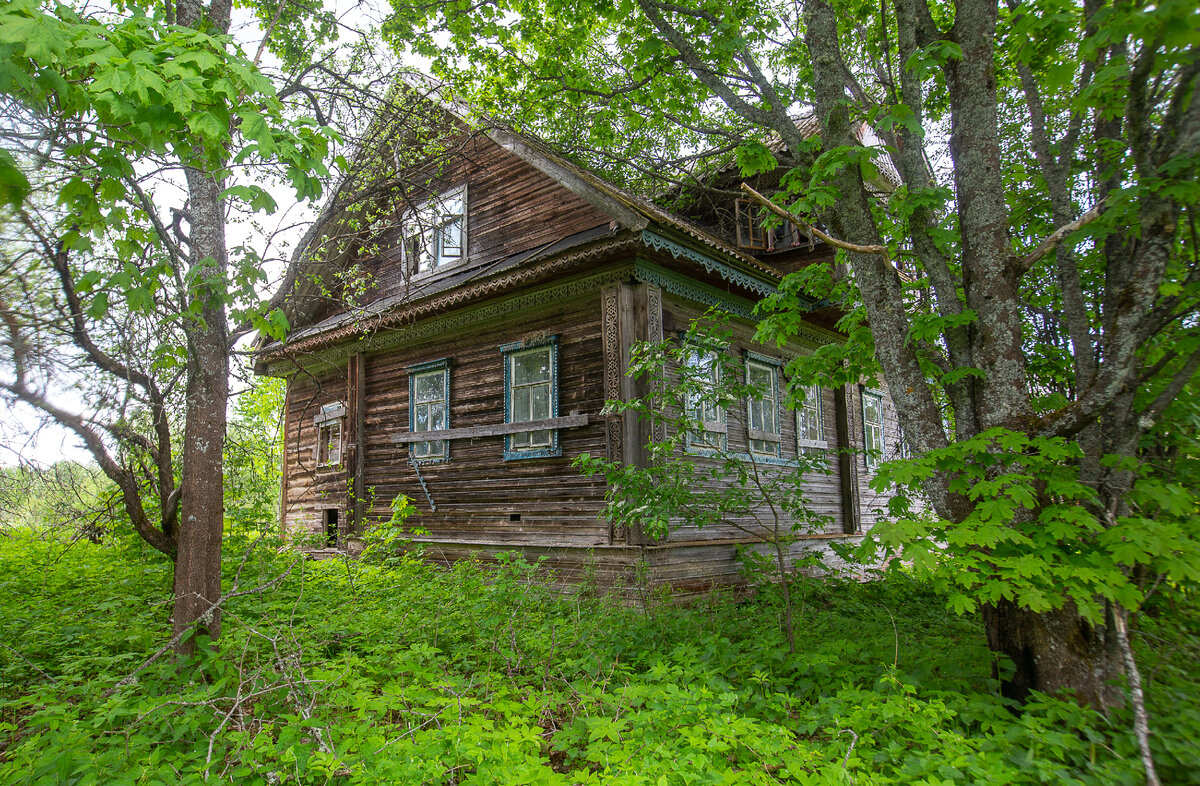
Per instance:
(197,583)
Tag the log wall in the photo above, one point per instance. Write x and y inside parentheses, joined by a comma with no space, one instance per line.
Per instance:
(479,496)
(511,207)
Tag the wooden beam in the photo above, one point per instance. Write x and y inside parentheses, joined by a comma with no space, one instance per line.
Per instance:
(493,430)
(360,439)
(847,475)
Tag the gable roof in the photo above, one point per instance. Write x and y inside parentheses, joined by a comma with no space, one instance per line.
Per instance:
(301,286)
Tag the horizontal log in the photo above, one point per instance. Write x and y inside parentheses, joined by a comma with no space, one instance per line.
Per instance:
(492,430)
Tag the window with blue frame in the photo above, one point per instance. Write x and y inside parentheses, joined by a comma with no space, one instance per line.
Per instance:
(531,395)
(872,409)
(429,408)
(762,410)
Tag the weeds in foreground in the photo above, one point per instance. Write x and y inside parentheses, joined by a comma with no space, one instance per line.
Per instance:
(404,673)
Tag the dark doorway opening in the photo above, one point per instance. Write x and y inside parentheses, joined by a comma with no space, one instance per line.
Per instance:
(331,528)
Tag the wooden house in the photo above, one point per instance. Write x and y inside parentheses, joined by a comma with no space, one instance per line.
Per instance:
(501,307)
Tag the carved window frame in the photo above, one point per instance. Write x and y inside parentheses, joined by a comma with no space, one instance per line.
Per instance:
(874,435)
(810,412)
(510,352)
(765,442)
(439,450)
(717,426)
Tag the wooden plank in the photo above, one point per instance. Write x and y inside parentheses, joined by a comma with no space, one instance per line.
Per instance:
(493,430)
(846,469)
(360,438)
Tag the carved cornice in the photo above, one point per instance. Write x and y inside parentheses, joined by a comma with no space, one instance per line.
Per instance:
(406,313)
(447,323)
(758,285)
(697,292)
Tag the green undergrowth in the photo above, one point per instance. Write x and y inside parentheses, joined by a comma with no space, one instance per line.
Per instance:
(349,672)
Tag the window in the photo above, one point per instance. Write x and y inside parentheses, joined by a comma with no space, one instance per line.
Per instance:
(329,434)
(435,235)
(810,429)
(702,374)
(750,232)
(872,405)
(429,408)
(903,450)
(531,395)
(762,414)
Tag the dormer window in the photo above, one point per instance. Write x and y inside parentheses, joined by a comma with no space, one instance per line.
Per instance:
(750,232)
(435,235)
(753,236)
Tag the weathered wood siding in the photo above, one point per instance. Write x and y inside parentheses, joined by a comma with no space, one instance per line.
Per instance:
(822,490)
(480,497)
(511,207)
(310,488)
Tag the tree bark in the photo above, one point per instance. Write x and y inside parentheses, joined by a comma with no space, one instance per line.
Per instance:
(1055,650)
(197,583)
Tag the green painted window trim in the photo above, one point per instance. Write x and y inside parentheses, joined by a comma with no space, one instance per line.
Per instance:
(507,352)
(415,371)
(775,367)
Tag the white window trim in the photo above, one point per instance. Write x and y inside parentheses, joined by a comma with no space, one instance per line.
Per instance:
(873,460)
(801,441)
(692,441)
(426,223)
(772,367)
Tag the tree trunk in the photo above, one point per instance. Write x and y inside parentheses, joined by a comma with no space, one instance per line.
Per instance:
(1054,650)
(198,560)
(202,496)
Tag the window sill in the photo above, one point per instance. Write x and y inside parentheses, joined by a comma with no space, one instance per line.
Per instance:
(516,455)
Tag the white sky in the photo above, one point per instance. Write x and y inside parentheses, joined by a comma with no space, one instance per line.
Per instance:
(24,434)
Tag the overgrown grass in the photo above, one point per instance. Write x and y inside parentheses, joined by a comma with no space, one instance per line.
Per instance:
(361,673)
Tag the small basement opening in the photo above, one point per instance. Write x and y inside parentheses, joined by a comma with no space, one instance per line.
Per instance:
(514,516)
(331,528)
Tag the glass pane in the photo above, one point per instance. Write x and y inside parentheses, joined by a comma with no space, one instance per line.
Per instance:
(531,367)
(451,238)
(520,370)
(437,416)
(872,409)
(540,404)
(539,439)
(452,203)
(421,449)
(759,379)
(756,416)
(519,441)
(421,418)
(430,387)
(520,405)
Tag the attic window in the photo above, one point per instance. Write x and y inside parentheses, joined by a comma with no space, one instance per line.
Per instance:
(750,232)
(435,234)
(752,235)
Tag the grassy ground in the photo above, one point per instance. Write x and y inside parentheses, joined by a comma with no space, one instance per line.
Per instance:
(349,672)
